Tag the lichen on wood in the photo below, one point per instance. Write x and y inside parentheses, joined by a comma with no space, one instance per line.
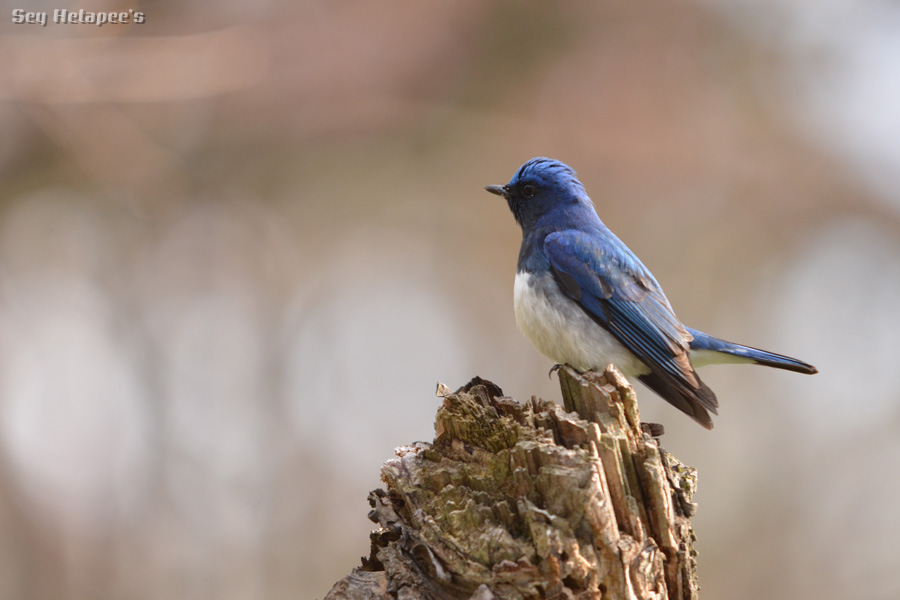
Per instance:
(532,500)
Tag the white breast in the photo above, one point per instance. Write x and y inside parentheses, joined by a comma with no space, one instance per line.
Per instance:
(563,332)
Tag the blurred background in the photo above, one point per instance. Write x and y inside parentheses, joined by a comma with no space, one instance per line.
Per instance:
(240,243)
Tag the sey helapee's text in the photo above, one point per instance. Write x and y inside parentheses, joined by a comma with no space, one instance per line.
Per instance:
(63,16)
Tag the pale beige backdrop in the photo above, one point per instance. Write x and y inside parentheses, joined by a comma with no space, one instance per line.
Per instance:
(241,242)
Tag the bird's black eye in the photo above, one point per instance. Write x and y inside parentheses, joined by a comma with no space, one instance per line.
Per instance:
(528,190)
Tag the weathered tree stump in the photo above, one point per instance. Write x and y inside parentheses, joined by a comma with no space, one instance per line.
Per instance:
(526,501)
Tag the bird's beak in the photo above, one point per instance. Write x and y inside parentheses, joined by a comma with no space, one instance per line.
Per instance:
(500,190)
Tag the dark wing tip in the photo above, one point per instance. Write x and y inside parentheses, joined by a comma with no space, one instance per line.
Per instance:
(695,403)
(704,419)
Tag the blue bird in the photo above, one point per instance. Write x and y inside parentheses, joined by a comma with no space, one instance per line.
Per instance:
(583,298)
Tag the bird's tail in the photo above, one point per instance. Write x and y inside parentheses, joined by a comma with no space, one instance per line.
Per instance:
(706,349)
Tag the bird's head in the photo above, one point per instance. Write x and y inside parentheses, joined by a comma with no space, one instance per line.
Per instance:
(544,190)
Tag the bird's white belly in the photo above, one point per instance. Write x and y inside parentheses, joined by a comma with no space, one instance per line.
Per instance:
(563,332)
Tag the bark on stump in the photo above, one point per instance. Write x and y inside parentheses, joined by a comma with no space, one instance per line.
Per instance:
(526,501)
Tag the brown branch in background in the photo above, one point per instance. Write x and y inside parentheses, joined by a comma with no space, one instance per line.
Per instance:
(529,500)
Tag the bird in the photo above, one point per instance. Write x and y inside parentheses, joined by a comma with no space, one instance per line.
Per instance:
(583,298)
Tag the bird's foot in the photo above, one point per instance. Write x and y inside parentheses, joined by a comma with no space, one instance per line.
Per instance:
(559,366)
(654,430)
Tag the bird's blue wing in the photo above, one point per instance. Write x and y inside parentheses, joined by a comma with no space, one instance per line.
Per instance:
(618,293)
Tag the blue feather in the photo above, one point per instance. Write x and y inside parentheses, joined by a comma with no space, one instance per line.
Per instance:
(583,297)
